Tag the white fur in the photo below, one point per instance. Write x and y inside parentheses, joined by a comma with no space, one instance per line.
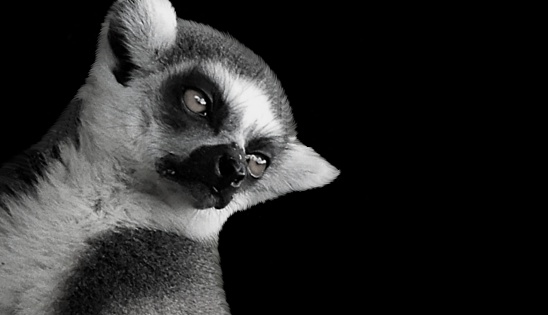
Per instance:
(247,100)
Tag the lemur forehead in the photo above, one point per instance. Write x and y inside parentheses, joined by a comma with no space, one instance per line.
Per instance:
(248,101)
(197,41)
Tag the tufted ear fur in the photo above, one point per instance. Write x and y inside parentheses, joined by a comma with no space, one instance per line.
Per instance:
(303,169)
(134,33)
(300,168)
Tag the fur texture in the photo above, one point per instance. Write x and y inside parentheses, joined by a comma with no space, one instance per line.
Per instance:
(100,214)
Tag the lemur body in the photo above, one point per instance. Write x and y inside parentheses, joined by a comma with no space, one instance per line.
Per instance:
(118,209)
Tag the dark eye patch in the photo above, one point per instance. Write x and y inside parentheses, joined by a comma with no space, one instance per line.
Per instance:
(173,111)
(267,146)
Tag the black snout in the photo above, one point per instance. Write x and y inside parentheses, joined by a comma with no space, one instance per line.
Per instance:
(220,168)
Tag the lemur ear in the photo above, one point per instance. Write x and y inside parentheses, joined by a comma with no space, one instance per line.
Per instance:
(301,168)
(298,168)
(136,31)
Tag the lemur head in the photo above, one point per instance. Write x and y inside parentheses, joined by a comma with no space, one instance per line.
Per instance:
(193,112)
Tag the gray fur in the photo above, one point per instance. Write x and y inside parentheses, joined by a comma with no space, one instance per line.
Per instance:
(123,270)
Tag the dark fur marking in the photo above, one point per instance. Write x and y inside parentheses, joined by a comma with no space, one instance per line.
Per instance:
(269,146)
(174,113)
(124,266)
(98,205)
(118,43)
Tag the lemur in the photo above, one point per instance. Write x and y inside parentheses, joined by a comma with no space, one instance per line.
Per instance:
(117,210)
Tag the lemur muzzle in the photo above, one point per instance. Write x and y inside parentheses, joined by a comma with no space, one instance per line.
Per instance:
(221,168)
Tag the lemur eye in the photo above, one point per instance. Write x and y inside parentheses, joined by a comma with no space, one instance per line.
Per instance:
(196,101)
(256,164)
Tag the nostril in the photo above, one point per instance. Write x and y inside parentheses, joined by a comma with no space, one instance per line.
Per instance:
(229,167)
(237,181)
(225,165)
(231,171)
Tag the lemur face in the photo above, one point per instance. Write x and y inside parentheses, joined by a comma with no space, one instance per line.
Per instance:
(177,127)
(198,109)
(223,134)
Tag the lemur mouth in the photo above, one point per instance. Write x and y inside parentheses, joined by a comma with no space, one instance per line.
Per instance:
(222,200)
(212,174)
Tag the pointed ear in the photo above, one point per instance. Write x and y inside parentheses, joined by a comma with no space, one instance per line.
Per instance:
(299,168)
(135,32)
(302,168)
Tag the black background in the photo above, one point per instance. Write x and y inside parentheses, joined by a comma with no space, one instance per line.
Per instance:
(351,74)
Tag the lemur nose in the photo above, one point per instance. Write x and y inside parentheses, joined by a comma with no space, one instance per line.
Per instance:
(221,168)
(231,167)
